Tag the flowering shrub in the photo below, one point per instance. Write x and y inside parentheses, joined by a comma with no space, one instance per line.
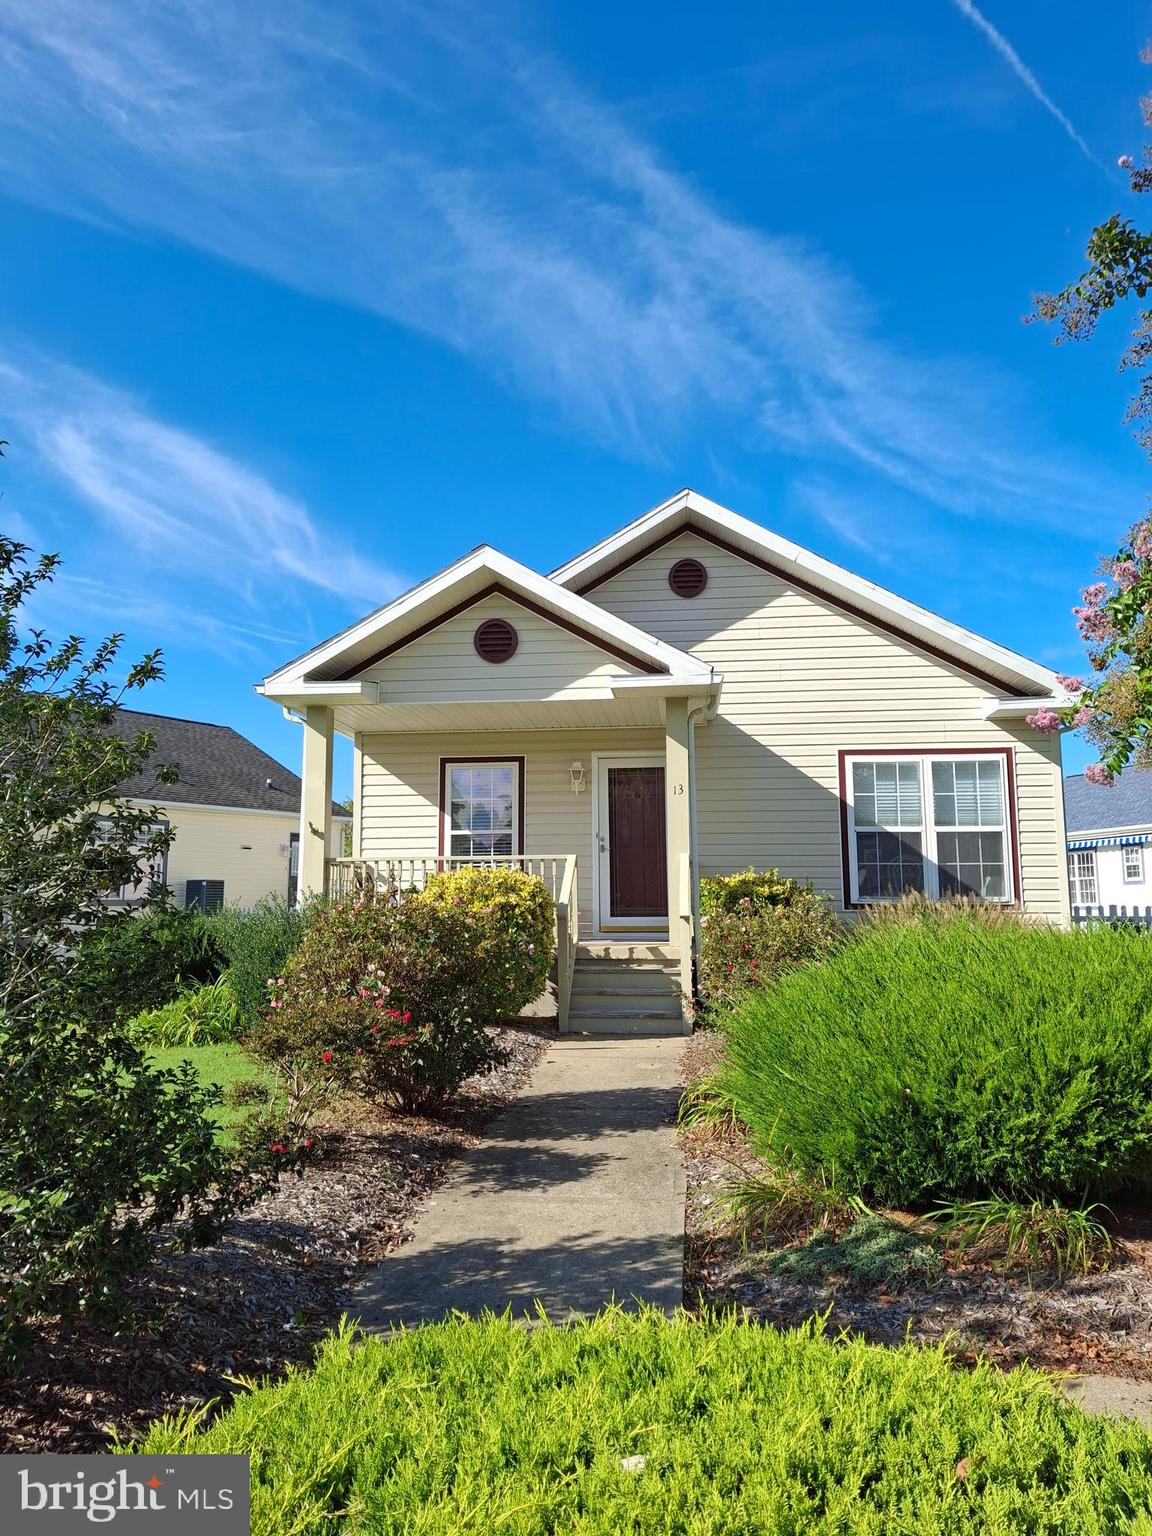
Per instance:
(1115,619)
(385,998)
(513,922)
(756,925)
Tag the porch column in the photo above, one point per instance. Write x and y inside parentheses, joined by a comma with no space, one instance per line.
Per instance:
(679,836)
(315,799)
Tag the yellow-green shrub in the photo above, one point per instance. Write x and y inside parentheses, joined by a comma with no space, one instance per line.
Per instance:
(511,914)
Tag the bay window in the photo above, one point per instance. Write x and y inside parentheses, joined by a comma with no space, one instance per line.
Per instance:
(933,822)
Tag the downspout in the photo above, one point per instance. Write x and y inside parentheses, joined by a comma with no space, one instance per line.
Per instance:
(708,711)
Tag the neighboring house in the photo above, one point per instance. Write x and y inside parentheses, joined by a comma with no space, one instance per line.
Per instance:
(235,813)
(1109,830)
(688,697)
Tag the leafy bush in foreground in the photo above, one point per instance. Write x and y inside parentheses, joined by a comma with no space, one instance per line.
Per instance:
(943,1057)
(669,1428)
(746,946)
(208,1016)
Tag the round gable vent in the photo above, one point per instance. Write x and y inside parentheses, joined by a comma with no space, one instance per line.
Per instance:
(495,640)
(687,578)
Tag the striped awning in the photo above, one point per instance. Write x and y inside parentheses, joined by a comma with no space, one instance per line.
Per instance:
(1109,842)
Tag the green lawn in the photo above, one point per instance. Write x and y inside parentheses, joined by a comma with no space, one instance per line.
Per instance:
(641,1426)
(226,1065)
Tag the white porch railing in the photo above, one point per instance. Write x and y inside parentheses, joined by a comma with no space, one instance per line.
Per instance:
(351,877)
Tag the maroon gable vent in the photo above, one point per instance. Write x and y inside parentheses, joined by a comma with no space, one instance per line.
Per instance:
(687,578)
(495,640)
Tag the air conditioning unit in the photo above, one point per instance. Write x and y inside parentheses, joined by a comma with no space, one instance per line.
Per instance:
(208,895)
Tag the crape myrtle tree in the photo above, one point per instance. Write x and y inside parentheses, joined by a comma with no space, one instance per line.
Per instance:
(98,1150)
(1115,613)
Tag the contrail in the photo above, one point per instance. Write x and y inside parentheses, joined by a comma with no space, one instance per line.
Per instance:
(1006,51)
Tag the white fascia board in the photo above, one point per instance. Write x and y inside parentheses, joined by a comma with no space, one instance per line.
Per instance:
(836,579)
(1139,829)
(300,694)
(1003,709)
(667,687)
(489,562)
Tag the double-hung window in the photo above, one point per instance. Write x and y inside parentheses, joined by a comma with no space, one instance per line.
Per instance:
(481,809)
(929,823)
(1082,877)
(1133,855)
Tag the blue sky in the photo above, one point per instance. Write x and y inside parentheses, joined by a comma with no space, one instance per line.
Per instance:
(301,301)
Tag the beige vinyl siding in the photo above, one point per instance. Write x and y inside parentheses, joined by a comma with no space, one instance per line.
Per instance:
(399,790)
(803,680)
(248,850)
(550,663)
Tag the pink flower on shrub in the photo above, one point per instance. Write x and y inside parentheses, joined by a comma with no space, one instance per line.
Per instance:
(1093,623)
(1071,684)
(1082,716)
(277,1146)
(1098,773)
(1125,573)
(1142,541)
(325,1055)
(1095,594)
(1046,721)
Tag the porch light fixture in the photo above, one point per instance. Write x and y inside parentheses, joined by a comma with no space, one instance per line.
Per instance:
(576,774)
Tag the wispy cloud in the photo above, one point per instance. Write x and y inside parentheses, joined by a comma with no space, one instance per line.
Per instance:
(475,193)
(1026,77)
(181,522)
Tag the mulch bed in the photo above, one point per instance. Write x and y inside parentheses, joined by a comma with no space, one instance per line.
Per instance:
(1098,1323)
(261,1298)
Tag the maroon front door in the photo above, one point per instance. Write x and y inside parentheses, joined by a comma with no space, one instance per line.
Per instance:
(637,862)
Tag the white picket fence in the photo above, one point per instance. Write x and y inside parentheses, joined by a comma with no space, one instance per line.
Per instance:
(1134,917)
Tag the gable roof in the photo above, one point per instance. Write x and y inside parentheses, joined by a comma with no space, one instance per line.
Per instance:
(689,511)
(218,767)
(1097,807)
(456,588)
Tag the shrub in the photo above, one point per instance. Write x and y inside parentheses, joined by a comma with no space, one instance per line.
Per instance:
(663,1427)
(746,943)
(100,1150)
(208,1016)
(142,960)
(513,922)
(256,944)
(386,997)
(946,1058)
(763,889)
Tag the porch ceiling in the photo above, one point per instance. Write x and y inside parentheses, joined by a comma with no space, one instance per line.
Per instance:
(634,709)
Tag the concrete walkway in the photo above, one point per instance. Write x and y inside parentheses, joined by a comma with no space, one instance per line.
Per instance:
(575,1196)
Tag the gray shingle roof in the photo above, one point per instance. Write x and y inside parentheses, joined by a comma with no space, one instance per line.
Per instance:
(1092,807)
(217,765)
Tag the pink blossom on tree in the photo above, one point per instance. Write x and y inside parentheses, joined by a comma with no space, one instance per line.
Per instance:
(1071,684)
(1098,773)
(1045,720)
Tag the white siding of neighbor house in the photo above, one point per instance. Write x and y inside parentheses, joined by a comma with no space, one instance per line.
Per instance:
(399,789)
(1112,890)
(803,680)
(248,850)
(550,662)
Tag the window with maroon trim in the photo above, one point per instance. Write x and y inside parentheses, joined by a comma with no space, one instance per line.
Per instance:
(929,823)
(481,809)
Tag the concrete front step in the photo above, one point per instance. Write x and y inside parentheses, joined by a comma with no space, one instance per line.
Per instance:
(624,949)
(625,1024)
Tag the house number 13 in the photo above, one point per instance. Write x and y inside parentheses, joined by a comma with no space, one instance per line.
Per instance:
(677,789)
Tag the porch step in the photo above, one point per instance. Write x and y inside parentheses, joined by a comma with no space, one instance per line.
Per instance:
(649,980)
(633,950)
(633,1022)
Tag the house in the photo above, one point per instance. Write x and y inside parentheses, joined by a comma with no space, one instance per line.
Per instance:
(1109,829)
(692,695)
(234,812)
